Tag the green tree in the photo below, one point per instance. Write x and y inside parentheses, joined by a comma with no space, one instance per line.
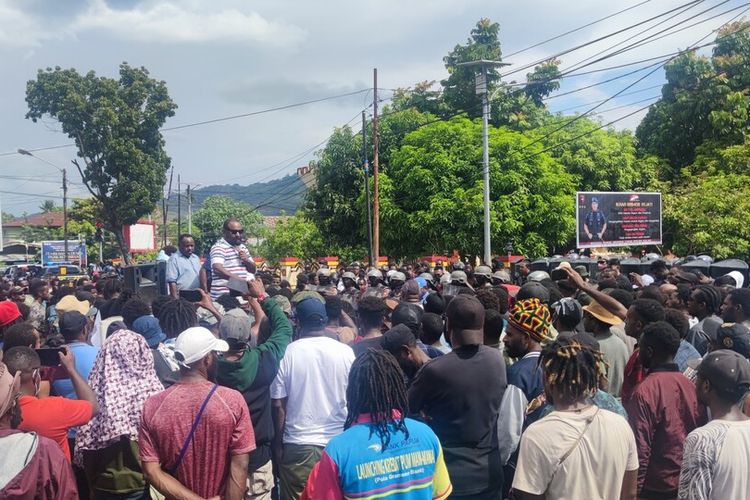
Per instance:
(432,196)
(6,217)
(295,236)
(209,219)
(710,214)
(600,160)
(49,206)
(115,126)
(459,89)
(704,103)
(339,181)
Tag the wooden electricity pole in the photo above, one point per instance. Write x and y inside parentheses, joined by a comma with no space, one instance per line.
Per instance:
(375,171)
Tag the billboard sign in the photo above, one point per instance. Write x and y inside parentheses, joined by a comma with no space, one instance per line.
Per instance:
(140,237)
(53,252)
(617,219)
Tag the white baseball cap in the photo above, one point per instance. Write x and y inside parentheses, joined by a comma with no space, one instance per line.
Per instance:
(195,343)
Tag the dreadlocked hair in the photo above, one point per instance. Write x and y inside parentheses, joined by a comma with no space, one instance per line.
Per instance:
(177,316)
(573,369)
(376,386)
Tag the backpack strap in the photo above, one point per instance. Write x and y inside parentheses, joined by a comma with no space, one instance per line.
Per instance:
(172,470)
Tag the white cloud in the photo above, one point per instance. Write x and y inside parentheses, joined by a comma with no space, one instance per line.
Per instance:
(172,22)
(19,29)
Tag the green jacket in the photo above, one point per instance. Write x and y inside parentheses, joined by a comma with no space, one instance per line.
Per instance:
(241,374)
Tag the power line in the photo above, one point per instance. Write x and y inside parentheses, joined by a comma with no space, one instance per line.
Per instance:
(574,66)
(215,120)
(583,105)
(576,29)
(629,114)
(608,124)
(597,40)
(263,111)
(32,194)
(654,36)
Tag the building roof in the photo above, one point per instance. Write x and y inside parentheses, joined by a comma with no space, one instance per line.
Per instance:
(50,219)
(270,221)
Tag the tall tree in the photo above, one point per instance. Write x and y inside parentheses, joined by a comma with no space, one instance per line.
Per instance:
(704,103)
(459,88)
(115,126)
(339,180)
(432,194)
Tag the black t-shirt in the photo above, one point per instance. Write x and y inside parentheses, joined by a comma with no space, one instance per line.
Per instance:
(460,393)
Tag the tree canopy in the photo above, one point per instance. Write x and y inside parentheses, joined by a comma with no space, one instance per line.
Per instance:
(115,126)
(296,236)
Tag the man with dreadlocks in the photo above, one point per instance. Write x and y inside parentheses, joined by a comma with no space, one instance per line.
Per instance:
(381,453)
(703,304)
(579,450)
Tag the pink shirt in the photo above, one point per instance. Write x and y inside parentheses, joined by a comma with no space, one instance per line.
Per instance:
(225,429)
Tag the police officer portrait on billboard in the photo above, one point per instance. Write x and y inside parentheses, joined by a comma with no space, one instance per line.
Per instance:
(594,224)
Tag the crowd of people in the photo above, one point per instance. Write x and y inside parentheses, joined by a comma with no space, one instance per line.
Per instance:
(414,382)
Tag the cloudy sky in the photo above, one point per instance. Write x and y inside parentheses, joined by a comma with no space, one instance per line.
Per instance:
(229,57)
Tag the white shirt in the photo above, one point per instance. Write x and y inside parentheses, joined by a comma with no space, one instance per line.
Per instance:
(594,469)
(716,462)
(313,376)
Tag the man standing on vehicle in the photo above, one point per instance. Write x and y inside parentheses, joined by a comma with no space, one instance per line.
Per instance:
(230,258)
(183,267)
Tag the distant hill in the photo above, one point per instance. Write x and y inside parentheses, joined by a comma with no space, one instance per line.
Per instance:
(271,197)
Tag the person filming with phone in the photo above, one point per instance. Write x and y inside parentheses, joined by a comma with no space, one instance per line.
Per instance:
(52,416)
(230,259)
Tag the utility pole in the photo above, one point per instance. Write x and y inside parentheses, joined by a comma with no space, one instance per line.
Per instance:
(190,211)
(65,212)
(482,90)
(179,207)
(366,165)
(164,221)
(2,241)
(375,169)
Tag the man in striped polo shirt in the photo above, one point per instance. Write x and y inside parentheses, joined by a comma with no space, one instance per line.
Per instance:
(230,258)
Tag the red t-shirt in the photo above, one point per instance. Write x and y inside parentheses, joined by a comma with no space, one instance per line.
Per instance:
(52,417)
(225,429)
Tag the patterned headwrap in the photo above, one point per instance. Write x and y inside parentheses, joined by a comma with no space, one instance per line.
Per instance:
(532,317)
(122,378)
(9,388)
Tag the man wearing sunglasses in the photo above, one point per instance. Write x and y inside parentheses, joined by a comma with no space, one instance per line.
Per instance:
(230,259)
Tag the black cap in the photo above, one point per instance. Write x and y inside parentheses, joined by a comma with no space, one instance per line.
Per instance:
(409,315)
(397,337)
(72,323)
(727,371)
(734,336)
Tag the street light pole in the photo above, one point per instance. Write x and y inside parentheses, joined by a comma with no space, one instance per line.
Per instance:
(486,165)
(65,195)
(482,89)
(65,212)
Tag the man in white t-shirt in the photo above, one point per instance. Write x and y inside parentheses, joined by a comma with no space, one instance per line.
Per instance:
(716,457)
(579,450)
(308,397)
